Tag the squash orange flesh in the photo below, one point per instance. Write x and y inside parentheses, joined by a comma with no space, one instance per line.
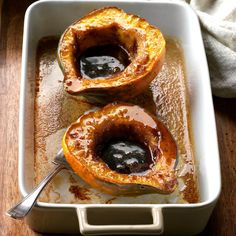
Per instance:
(121,121)
(144,43)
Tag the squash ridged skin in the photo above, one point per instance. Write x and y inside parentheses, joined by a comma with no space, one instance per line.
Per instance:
(80,150)
(144,42)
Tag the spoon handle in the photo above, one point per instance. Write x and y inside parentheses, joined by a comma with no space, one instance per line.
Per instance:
(22,208)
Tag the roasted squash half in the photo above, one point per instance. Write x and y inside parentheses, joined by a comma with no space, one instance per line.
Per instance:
(144,43)
(84,138)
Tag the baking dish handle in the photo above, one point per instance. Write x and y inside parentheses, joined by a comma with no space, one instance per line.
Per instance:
(155,227)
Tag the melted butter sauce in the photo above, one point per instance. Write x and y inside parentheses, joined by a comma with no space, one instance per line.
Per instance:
(126,157)
(103,61)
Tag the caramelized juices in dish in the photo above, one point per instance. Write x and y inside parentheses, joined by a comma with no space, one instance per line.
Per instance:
(55,110)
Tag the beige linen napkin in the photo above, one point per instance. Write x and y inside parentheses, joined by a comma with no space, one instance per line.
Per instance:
(218,22)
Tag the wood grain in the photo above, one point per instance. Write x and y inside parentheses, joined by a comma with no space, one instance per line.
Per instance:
(12,15)
(222,221)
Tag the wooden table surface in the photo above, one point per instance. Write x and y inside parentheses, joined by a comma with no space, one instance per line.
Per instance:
(223,219)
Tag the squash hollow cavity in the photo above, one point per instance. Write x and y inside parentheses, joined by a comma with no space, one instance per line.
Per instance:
(102,53)
(123,149)
(104,61)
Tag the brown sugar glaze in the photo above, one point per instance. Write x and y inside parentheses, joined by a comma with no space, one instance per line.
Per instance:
(167,97)
(103,61)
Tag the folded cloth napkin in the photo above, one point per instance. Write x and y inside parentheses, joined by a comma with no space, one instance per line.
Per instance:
(218,22)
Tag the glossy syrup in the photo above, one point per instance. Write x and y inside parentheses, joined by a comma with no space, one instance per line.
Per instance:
(103,61)
(126,157)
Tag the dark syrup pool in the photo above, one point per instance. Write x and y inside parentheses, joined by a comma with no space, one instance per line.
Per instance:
(103,61)
(126,157)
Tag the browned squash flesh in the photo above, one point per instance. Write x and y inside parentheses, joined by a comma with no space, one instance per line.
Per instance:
(83,139)
(144,43)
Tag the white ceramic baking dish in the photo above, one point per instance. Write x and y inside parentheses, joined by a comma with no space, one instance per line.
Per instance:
(175,19)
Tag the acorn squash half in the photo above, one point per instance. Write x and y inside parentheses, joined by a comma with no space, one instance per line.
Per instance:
(84,140)
(144,43)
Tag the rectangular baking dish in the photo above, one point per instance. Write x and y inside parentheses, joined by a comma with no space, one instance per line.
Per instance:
(175,19)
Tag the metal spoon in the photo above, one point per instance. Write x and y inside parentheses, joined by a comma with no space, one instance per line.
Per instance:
(21,209)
